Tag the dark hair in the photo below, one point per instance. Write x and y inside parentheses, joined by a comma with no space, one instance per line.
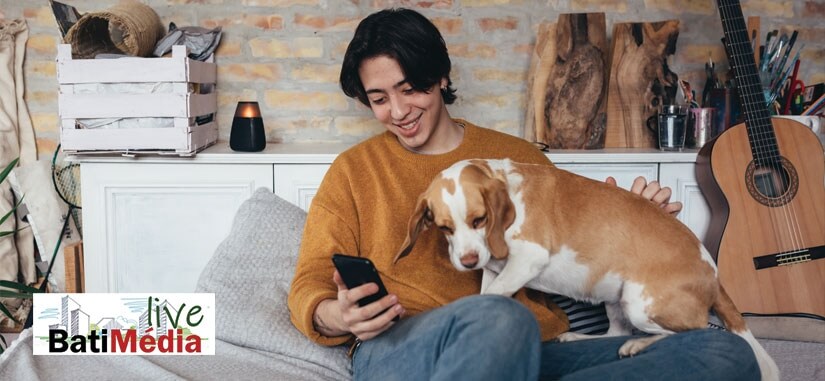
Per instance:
(405,36)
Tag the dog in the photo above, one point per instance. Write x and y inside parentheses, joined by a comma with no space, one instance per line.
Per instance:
(537,226)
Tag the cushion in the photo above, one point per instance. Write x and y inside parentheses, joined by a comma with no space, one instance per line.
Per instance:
(787,327)
(250,274)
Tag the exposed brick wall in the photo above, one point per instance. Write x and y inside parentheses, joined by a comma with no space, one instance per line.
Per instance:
(286,53)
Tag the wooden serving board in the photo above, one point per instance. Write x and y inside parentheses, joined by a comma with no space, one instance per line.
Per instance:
(567,83)
(640,80)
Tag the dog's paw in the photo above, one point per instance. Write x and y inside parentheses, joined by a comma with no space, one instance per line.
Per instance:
(572,336)
(633,346)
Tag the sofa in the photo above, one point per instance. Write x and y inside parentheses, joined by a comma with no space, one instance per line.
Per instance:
(250,274)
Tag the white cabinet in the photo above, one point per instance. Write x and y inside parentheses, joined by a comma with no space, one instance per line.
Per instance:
(152,227)
(681,179)
(152,223)
(623,173)
(297,183)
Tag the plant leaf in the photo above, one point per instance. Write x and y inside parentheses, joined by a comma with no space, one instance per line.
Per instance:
(18,286)
(14,295)
(8,169)
(3,234)
(8,314)
(6,216)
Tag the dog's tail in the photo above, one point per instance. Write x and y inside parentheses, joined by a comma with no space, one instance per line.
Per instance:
(735,323)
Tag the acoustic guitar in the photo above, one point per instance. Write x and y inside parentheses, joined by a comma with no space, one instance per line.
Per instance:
(764,181)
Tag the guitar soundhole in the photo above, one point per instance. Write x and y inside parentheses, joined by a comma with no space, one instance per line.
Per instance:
(773,184)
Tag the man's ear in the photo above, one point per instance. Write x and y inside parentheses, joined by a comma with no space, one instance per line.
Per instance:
(419,221)
(500,215)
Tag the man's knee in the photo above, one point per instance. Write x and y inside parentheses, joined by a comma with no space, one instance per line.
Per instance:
(504,316)
(726,349)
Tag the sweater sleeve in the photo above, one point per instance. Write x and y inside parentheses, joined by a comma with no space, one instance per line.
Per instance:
(330,226)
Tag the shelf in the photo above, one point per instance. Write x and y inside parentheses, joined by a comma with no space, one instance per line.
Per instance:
(325,153)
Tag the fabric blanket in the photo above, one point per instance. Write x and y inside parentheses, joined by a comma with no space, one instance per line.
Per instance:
(231,362)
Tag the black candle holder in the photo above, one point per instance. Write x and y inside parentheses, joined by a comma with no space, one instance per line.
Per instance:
(247,133)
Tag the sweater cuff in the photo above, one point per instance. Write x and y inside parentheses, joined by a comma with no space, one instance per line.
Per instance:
(307,326)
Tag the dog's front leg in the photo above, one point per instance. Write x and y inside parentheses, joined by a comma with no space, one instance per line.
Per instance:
(487,277)
(519,269)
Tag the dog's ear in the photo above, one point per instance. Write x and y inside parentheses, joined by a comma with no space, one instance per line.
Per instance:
(419,221)
(500,215)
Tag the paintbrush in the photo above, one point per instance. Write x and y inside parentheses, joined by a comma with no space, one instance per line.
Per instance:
(774,92)
(763,61)
(788,50)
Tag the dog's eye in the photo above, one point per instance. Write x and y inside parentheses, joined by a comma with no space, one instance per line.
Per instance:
(479,221)
(445,229)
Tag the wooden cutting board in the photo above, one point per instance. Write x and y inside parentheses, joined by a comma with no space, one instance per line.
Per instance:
(567,105)
(640,80)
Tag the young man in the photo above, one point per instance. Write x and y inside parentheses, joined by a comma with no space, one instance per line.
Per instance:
(397,65)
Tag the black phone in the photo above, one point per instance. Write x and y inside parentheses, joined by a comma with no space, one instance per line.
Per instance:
(356,271)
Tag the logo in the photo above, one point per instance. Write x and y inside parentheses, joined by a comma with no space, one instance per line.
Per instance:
(124,324)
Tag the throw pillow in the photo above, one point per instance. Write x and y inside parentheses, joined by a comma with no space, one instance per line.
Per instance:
(250,274)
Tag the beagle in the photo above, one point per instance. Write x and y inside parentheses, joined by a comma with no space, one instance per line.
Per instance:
(540,227)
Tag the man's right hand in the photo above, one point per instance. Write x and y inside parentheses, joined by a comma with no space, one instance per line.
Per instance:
(344,315)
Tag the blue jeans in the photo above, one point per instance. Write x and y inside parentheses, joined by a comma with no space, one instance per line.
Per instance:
(487,337)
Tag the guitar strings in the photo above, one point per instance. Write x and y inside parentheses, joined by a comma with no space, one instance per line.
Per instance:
(763,123)
(758,128)
(726,10)
(788,211)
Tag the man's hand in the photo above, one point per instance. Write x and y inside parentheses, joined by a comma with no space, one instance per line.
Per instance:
(338,317)
(653,192)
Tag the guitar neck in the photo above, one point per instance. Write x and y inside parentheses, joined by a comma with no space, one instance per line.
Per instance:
(751,97)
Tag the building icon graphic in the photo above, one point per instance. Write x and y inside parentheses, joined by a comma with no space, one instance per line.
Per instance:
(72,318)
(109,324)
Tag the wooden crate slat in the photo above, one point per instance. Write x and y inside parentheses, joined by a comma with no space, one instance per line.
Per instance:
(202,72)
(202,104)
(183,140)
(177,68)
(125,139)
(121,70)
(128,105)
(204,135)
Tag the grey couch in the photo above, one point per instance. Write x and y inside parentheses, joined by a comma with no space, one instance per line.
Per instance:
(250,274)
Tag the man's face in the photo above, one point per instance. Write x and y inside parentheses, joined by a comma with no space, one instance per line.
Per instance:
(417,118)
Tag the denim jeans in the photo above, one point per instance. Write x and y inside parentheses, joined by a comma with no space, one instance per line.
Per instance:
(487,337)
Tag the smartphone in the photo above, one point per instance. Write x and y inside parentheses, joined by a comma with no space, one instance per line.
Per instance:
(356,271)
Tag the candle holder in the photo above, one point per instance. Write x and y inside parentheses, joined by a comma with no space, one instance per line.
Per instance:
(247,133)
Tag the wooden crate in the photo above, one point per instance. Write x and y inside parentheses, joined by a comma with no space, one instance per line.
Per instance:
(185,138)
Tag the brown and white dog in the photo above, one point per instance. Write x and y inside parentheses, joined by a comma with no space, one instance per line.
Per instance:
(540,227)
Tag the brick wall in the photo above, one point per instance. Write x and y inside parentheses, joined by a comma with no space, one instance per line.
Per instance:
(286,53)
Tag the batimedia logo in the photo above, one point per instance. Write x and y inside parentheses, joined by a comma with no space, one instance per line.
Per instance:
(124,324)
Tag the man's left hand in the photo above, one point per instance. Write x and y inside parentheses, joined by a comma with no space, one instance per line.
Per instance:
(653,192)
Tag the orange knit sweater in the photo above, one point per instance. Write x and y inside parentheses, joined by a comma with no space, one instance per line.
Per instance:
(362,208)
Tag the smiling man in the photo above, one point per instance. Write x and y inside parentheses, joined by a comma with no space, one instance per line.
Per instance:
(397,65)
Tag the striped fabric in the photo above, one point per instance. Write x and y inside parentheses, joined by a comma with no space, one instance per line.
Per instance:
(592,319)
(584,317)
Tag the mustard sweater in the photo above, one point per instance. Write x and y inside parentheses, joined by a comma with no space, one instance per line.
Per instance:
(362,208)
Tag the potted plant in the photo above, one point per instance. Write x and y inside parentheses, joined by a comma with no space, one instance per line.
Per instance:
(8,288)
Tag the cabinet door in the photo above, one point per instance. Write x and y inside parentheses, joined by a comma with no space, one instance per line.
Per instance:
(681,178)
(623,173)
(298,183)
(153,227)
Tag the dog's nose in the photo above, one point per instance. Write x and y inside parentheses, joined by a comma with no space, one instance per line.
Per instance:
(470,260)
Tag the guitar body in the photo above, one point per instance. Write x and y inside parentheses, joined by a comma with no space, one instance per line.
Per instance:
(747,224)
